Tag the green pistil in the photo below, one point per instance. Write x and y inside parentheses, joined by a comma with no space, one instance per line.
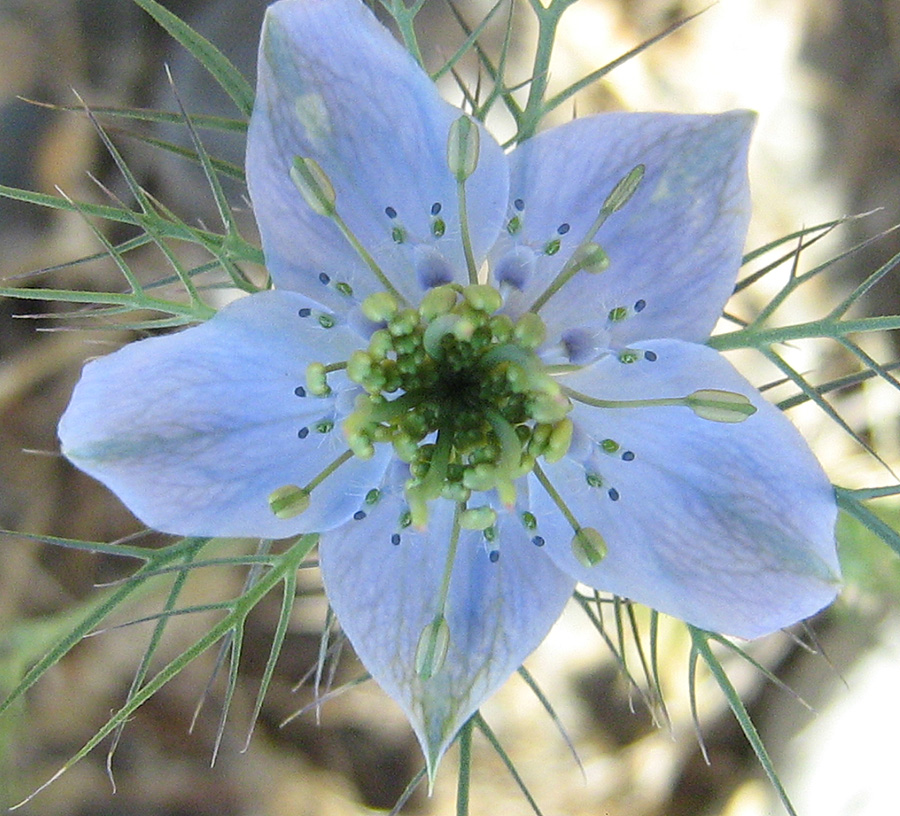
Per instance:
(459,393)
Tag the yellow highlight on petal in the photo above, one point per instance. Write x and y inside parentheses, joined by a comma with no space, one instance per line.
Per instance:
(289,501)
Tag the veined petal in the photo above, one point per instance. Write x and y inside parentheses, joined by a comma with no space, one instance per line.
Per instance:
(334,86)
(674,247)
(384,583)
(193,431)
(729,526)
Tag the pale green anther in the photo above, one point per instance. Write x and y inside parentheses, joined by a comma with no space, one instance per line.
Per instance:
(316,382)
(380,307)
(359,366)
(480,477)
(610,445)
(431,651)
(624,190)
(464,328)
(372,497)
(529,521)
(477,518)
(514,225)
(324,426)
(483,297)
(628,356)
(398,235)
(548,408)
(405,520)
(344,288)
(490,533)
(591,258)
(403,323)
(326,321)
(552,246)
(380,344)
(560,440)
(529,331)
(618,314)
(314,185)
(456,492)
(540,436)
(438,227)
(436,302)
(588,547)
(288,501)
(462,148)
(720,406)
(501,327)
(593,479)
(360,444)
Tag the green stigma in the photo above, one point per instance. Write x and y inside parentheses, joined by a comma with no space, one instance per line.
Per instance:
(459,392)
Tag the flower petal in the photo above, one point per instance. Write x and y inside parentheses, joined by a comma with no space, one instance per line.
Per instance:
(335,86)
(729,526)
(674,247)
(384,583)
(194,430)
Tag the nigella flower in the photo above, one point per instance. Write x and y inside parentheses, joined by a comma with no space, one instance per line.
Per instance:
(480,376)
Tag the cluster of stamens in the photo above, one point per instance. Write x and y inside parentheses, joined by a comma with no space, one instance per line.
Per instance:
(460,394)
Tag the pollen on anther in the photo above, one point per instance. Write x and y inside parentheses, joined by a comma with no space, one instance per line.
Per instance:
(650,356)
(628,456)
(494,556)
(562,229)
(324,278)
(390,212)
(613,494)
(395,539)
(519,204)
(304,312)
(300,391)
(436,208)
(303,433)
(359,515)
(538,541)
(640,305)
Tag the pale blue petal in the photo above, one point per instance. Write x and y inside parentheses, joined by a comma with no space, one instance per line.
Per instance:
(727,526)
(383,581)
(335,86)
(675,247)
(194,430)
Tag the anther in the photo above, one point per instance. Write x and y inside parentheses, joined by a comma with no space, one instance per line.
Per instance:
(588,547)
(431,650)
(288,501)
(462,148)
(314,185)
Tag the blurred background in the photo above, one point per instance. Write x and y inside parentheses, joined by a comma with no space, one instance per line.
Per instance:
(825,78)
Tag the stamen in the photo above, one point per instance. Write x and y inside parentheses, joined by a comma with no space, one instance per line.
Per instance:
(588,546)
(318,192)
(431,650)
(290,501)
(463,146)
(621,193)
(711,404)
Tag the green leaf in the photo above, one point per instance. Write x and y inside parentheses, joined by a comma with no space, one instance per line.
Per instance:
(700,640)
(211,58)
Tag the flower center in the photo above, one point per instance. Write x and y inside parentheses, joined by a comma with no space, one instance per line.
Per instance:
(459,392)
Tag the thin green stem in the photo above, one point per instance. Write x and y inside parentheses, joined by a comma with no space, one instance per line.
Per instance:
(827,327)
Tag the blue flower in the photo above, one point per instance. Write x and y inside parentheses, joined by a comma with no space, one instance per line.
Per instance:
(481,376)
